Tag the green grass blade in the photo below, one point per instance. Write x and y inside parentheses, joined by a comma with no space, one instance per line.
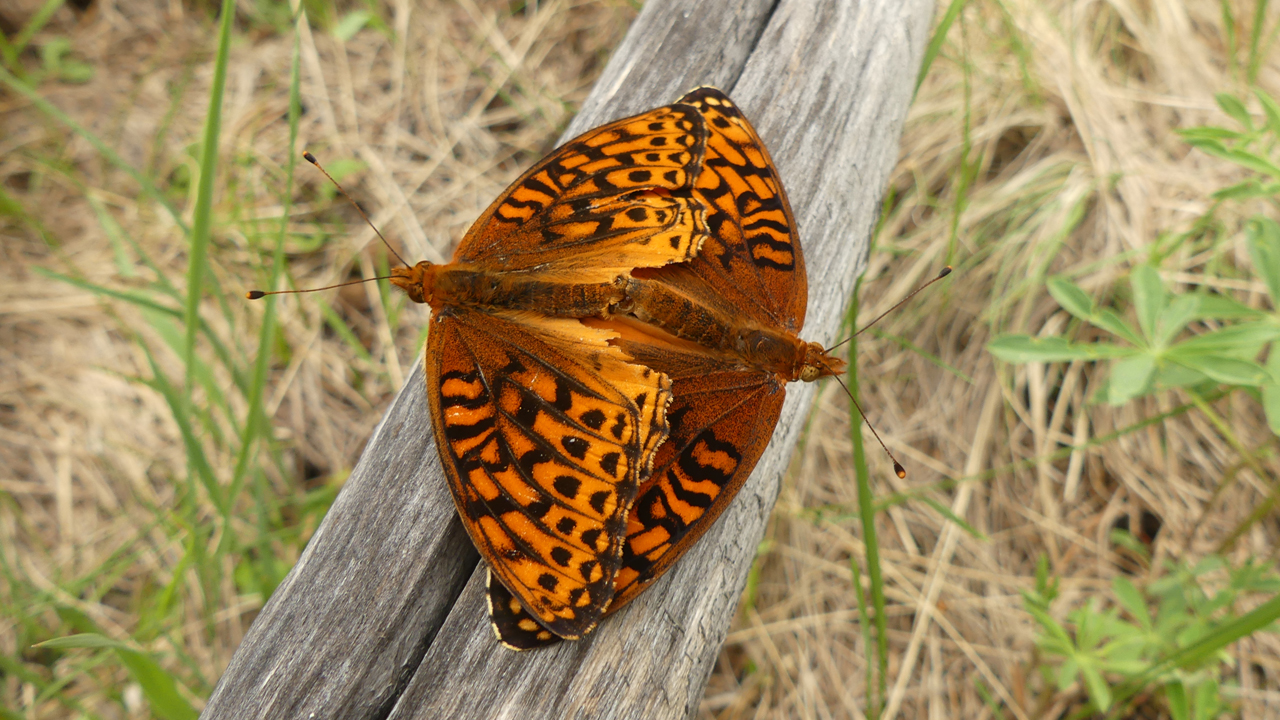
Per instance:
(939,37)
(204,192)
(197,461)
(867,513)
(1255,40)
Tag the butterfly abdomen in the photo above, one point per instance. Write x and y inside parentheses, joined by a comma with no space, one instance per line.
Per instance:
(762,348)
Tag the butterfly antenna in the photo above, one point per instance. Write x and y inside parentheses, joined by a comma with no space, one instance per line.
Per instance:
(900,471)
(257,294)
(945,272)
(312,159)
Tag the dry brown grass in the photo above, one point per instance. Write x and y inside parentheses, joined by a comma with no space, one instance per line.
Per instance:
(1079,170)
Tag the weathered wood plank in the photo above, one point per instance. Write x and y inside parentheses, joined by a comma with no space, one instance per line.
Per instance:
(352,632)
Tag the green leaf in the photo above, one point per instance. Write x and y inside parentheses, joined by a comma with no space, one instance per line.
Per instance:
(351,24)
(1071,297)
(1264,248)
(939,37)
(1130,378)
(1131,600)
(1174,317)
(82,640)
(1224,369)
(1067,673)
(1099,690)
(1244,340)
(1111,322)
(1173,375)
(1025,349)
(1221,307)
(1207,703)
(1205,144)
(1176,695)
(1271,109)
(1149,297)
(946,512)
(1251,188)
(1236,109)
(1209,133)
(1252,161)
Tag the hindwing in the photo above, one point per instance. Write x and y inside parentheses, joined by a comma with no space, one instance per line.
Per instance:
(545,431)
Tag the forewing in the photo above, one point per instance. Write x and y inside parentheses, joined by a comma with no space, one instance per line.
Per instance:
(545,431)
(751,259)
(615,198)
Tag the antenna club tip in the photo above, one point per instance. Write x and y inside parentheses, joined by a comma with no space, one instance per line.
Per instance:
(255,294)
(306,155)
(899,471)
(945,271)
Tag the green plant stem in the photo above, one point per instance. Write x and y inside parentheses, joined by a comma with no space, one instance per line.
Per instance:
(867,512)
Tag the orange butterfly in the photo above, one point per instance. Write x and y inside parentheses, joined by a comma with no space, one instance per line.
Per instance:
(544,427)
(724,327)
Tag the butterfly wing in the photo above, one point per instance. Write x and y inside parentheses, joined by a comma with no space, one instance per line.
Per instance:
(751,260)
(545,431)
(722,413)
(721,418)
(615,198)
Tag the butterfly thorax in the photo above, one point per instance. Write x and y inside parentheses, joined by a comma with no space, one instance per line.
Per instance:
(463,284)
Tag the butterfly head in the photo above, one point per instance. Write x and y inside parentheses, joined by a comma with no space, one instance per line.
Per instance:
(418,282)
(818,363)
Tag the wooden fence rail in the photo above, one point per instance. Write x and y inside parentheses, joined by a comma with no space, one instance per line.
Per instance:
(384,614)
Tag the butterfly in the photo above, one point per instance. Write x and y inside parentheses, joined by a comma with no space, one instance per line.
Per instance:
(724,327)
(545,427)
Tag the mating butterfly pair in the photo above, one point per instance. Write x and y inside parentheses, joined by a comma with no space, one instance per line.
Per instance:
(608,356)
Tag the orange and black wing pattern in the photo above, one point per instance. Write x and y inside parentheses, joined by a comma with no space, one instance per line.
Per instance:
(615,198)
(721,418)
(723,411)
(751,259)
(546,431)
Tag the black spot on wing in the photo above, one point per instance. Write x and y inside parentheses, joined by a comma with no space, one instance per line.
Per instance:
(598,499)
(593,419)
(575,446)
(567,485)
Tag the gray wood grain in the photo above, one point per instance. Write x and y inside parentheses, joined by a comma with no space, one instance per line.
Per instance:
(385,612)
